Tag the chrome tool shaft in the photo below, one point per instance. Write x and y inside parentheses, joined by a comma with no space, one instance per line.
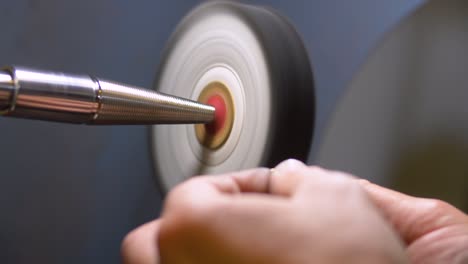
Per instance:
(60,97)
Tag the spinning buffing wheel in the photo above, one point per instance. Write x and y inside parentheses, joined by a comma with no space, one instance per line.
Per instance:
(250,64)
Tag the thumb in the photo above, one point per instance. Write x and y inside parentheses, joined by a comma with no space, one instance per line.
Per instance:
(413,217)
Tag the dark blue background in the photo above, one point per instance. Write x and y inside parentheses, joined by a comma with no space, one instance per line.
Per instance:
(69,193)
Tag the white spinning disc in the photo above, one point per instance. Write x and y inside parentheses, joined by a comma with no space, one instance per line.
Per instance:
(226,49)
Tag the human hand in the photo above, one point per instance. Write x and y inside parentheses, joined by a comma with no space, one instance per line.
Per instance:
(297,214)
(433,230)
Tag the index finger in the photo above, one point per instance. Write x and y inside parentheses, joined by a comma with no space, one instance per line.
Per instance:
(254,180)
(209,187)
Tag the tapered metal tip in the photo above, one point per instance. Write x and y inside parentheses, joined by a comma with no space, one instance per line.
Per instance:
(122,104)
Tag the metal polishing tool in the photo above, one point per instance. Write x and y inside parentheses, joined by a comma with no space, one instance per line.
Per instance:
(53,96)
(250,63)
(235,77)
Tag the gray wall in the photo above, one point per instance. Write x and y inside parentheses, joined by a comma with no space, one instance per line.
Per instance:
(403,121)
(69,193)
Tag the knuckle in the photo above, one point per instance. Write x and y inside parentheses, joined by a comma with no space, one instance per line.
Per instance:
(436,205)
(439,211)
(287,168)
(289,165)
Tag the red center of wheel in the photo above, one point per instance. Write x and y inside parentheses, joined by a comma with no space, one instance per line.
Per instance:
(215,134)
(220,114)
